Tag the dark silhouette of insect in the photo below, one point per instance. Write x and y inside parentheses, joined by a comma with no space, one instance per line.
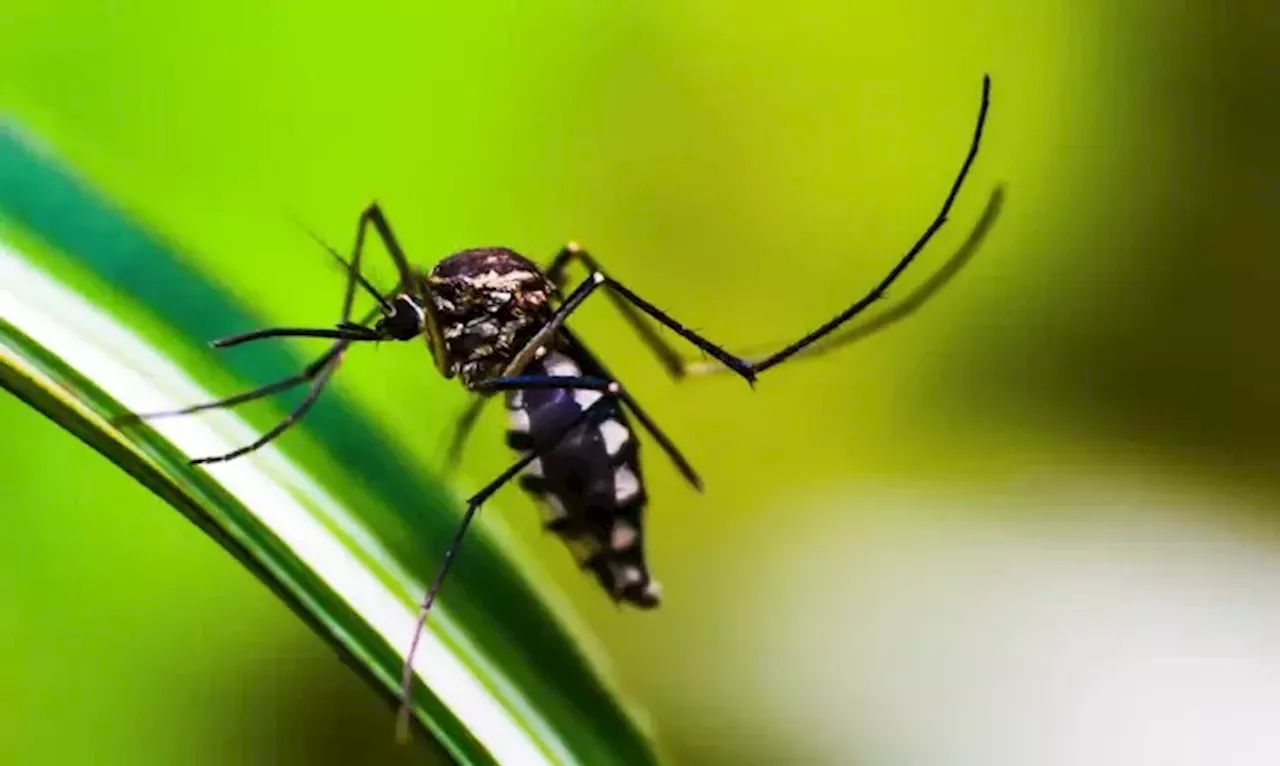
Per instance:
(496,321)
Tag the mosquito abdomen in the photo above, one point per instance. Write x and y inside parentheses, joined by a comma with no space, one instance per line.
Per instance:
(589,486)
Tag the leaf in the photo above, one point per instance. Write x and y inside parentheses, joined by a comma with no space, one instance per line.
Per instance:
(347,541)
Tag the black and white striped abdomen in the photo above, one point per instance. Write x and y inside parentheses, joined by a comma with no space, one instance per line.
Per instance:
(589,485)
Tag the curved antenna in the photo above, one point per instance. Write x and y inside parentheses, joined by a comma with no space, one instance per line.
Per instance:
(348,266)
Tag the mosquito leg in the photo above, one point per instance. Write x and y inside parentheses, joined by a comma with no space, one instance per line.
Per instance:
(667,356)
(544,383)
(593,365)
(595,412)
(353,271)
(462,431)
(902,309)
(347,331)
(323,368)
(308,373)
(743,367)
(878,291)
(584,290)
(312,395)
(467,421)
(670,360)
(372,215)
(320,370)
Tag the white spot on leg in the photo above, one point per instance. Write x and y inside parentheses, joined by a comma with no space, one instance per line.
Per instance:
(615,435)
(534,468)
(625,484)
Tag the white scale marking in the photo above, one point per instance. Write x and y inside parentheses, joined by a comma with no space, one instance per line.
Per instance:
(623,536)
(562,366)
(627,575)
(518,420)
(615,435)
(625,484)
(585,398)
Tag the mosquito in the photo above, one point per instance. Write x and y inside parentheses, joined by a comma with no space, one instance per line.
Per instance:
(496,321)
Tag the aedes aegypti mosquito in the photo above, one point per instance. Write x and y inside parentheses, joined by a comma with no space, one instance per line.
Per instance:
(495,320)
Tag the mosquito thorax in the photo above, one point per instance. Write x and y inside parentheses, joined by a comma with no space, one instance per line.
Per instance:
(488,303)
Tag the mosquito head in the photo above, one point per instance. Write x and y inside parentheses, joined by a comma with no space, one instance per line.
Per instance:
(489,302)
(405,320)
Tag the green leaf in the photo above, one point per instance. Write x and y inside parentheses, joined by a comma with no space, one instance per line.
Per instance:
(346,538)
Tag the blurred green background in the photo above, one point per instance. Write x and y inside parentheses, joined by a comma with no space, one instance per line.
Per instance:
(749,167)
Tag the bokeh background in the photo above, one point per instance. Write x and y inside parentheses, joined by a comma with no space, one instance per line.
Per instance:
(1037,523)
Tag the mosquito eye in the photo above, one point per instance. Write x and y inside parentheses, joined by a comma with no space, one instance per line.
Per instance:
(405,321)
